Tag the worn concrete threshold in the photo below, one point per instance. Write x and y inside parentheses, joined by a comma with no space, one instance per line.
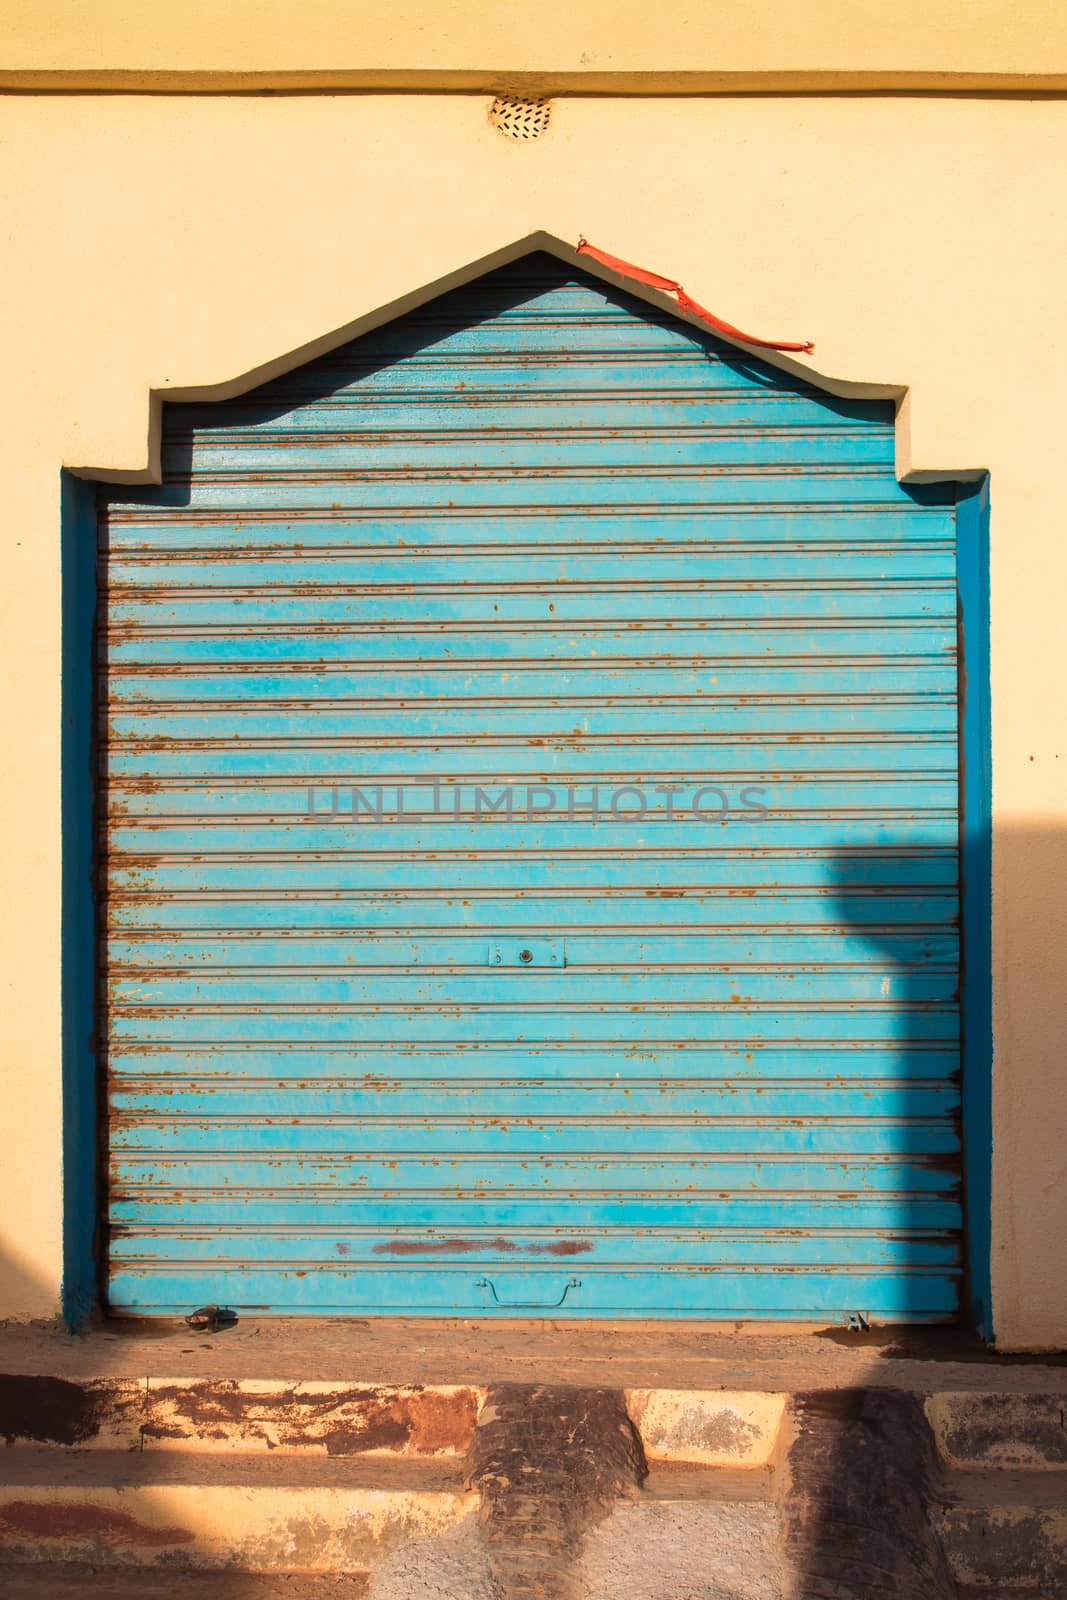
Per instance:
(272,1486)
(564,1505)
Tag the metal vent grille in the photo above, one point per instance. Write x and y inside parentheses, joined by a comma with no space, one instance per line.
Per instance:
(520,119)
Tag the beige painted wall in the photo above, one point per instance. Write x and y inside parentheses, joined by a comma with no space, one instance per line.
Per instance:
(617,44)
(182,241)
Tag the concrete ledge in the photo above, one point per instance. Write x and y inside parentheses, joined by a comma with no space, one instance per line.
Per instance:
(336,1419)
(252,1514)
(264,1512)
(231,1504)
(715,1428)
(718,1428)
(399,1353)
(1000,1430)
(1000,1549)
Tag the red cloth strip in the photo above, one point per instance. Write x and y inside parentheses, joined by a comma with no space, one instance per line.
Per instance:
(685,302)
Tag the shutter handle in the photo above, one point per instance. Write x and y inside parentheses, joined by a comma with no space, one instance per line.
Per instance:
(528,1305)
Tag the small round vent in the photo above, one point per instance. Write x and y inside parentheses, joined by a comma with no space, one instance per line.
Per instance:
(520,119)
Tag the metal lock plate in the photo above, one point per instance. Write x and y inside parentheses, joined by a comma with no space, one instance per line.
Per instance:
(527,953)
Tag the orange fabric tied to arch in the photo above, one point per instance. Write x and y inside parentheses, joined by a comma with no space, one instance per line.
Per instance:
(686,302)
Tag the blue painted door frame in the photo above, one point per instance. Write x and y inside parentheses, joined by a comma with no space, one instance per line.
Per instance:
(976,876)
(81,1183)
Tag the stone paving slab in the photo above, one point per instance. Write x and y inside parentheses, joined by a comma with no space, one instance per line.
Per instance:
(684,1551)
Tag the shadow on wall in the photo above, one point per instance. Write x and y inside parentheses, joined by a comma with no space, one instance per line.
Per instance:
(1029,1082)
(909,1029)
(23,1292)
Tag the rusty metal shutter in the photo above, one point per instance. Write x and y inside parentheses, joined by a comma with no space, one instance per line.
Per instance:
(374,1047)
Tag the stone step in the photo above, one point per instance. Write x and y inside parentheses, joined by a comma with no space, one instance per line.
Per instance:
(1005,1532)
(985,1428)
(274,1479)
(254,1513)
(219,1414)
(716,1427)
(260,1513)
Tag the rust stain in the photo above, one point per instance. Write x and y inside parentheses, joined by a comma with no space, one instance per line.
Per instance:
(343,1421)
(447,1247)
(440,1247)
(74,1519)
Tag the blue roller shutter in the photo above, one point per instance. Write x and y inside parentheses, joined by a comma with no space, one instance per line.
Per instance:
(374,1044)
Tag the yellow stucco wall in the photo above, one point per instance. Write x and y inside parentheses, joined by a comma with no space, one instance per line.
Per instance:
(577,44)
(171,242)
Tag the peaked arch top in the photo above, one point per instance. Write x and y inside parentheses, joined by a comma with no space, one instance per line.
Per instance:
(538,346)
